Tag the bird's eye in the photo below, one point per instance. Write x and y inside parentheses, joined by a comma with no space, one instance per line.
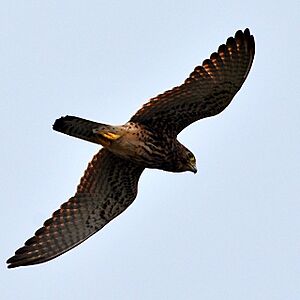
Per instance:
(191,157)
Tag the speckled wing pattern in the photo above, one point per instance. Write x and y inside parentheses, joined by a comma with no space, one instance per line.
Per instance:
(107,188)
(208,90)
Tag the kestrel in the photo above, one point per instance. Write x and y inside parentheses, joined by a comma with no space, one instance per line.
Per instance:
(148,140)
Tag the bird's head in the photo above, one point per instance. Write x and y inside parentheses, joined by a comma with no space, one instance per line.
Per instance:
(188,161)
(191,162)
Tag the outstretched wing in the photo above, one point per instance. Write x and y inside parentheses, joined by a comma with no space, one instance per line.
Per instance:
(107,188)
(208,90)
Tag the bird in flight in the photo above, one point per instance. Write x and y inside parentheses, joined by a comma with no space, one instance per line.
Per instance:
(147,140)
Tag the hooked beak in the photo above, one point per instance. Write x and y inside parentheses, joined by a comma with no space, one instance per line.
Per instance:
(193,168)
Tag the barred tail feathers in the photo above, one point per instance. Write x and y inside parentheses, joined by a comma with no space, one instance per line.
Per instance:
(87,130)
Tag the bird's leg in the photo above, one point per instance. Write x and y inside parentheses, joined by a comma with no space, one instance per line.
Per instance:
(107,134)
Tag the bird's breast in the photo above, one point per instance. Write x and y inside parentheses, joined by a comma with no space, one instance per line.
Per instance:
(142,146)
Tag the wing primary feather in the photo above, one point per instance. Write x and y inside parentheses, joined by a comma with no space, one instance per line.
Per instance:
(206,92)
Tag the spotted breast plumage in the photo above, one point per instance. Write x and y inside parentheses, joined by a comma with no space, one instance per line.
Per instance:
(147,140)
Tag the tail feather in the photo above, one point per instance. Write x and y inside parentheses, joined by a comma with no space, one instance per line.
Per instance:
(79,128)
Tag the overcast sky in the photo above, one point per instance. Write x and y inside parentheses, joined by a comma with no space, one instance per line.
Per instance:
(232,231)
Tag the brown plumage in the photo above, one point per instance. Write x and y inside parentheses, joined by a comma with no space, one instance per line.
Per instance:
(148,140)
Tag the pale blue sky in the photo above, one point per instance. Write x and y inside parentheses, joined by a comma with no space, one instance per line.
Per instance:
(232,231)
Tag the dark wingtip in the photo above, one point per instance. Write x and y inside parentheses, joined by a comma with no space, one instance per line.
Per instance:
(247,31)
(16,261)
(9,261)
(251,40)
(248,36)
(10,266)
(12,262)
